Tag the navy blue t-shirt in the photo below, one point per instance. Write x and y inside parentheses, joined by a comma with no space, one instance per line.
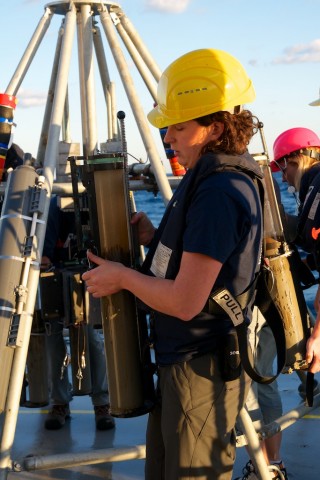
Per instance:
(223,220)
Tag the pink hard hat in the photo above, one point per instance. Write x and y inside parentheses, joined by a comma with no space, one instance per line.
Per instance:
(292,140)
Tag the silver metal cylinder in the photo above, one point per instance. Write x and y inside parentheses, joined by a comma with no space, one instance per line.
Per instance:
(15,224)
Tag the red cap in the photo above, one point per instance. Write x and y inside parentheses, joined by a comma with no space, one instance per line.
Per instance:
(8,100)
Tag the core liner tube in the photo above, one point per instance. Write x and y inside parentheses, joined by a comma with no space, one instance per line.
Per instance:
(287,291)
(129,369)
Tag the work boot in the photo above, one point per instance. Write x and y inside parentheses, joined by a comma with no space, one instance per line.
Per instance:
(277,472)
(57,417)
(104,421)
(249,472)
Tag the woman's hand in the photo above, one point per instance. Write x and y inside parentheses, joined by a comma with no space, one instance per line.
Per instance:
(313,348)
(105,278)
(45,263)
(183,297)
(144,226)
(317,300)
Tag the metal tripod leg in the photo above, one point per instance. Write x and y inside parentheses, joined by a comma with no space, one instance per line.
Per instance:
(24,306)
(87,91)
(13,400)
(254,446)
(20,356)
(143,126)
(133,34)
(48,151)
(49,103)
(29,53)
(107,85)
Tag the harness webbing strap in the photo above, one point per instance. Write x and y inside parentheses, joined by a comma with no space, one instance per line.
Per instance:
(243,299)
(310,389)
(234,310)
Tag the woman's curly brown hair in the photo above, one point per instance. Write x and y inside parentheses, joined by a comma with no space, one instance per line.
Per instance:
(239,128)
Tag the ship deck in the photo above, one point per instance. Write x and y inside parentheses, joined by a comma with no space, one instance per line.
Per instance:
(86,449)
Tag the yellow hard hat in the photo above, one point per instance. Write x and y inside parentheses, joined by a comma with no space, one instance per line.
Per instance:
(199,83)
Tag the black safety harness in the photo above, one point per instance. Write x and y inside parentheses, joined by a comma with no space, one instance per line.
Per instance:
(308,231)
(259,293)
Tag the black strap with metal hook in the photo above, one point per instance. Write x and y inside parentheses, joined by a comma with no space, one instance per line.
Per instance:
(234,310)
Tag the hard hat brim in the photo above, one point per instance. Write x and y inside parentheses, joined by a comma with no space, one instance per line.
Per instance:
(316,103)
(274,167)
(159,119)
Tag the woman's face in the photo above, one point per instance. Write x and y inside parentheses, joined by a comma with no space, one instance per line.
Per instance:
(188,138)
(289,169)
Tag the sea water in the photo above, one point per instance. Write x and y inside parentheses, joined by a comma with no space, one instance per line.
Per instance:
(152,204)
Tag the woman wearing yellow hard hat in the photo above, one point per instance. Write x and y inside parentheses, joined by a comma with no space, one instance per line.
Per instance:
(209,238)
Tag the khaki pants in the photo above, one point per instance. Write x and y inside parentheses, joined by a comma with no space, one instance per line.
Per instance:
(190,434)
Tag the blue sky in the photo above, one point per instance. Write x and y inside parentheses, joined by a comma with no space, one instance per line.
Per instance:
(277,41)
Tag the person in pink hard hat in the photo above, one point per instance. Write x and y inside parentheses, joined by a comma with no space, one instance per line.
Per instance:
(296,151)
(297,155)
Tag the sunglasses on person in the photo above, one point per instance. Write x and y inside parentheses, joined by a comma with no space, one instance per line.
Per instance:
(282,163)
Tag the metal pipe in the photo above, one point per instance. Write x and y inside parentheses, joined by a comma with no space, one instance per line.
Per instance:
(29,53)
(13,398)
(291,417)
(136,39)
(105,80)
(25,308)
(140,118)
(146,183)
(115,130)
(283,422)
(91,141)
(271,198)
(66,136)
(141,67)
(86,458)
(47,114)
(254,446)
(65,189)
(83,103)
(59,99)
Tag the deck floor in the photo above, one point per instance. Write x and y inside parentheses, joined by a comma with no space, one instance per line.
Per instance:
(300,445)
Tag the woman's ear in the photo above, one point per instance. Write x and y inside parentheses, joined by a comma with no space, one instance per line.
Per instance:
(217,130)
